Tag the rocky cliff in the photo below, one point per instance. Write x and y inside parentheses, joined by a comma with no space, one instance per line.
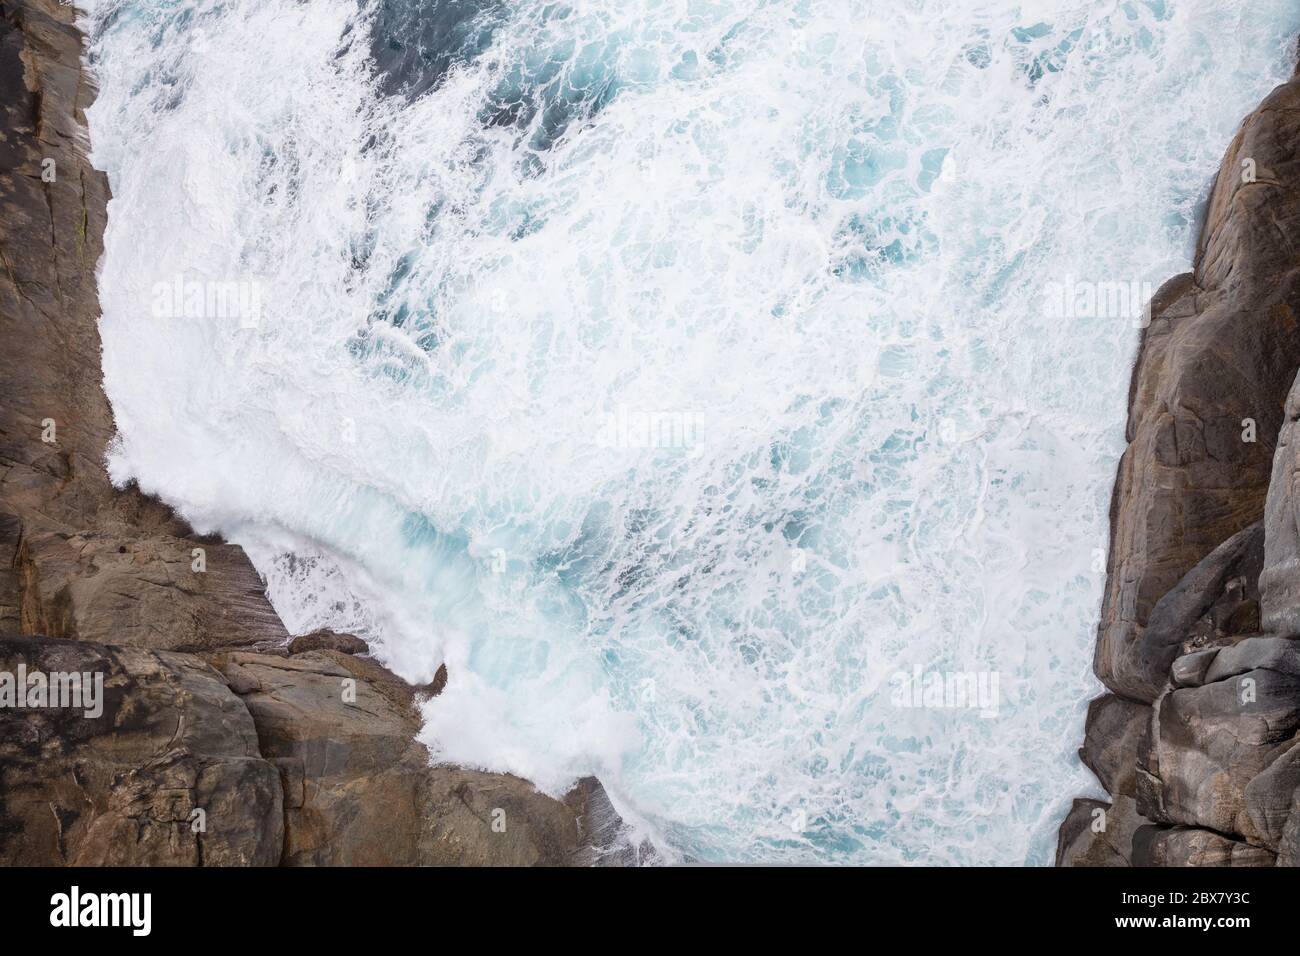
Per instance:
(218,741)
(1199,643)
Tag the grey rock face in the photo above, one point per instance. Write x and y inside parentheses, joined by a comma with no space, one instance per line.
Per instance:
(1208,744)
(1280,581)
(1222,347)
(1270,798)
(1288,849)
(1113,733)
(1214,593)
(1202,597)
(1183,846)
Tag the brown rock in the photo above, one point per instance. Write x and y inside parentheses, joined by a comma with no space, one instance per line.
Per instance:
(438,684)
(50,233)
(1098,834)
(1222,347)
(1186,846)
(606,838)
(1193,574)
(1288,849)
(1208,743)
(329,781)
(368,795)
(1212,599)
(1280,581)
(145,591)
(1191,669)
(123,788)
(51,237)
(1112,732)
(86,560)
(1270,797)
(328,641)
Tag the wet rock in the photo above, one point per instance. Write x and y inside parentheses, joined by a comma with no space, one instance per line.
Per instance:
(438,684)
(606,839)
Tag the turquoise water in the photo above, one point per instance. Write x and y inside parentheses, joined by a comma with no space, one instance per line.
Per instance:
(680,374)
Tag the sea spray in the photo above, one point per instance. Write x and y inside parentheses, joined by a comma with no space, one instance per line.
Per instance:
(823,231)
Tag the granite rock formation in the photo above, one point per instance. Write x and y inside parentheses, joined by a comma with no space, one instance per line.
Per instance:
(1199,643)
(219,742)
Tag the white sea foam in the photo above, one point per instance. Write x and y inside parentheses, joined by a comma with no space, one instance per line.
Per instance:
(820,232)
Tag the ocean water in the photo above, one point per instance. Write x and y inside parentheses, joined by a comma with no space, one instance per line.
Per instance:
(685,375)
